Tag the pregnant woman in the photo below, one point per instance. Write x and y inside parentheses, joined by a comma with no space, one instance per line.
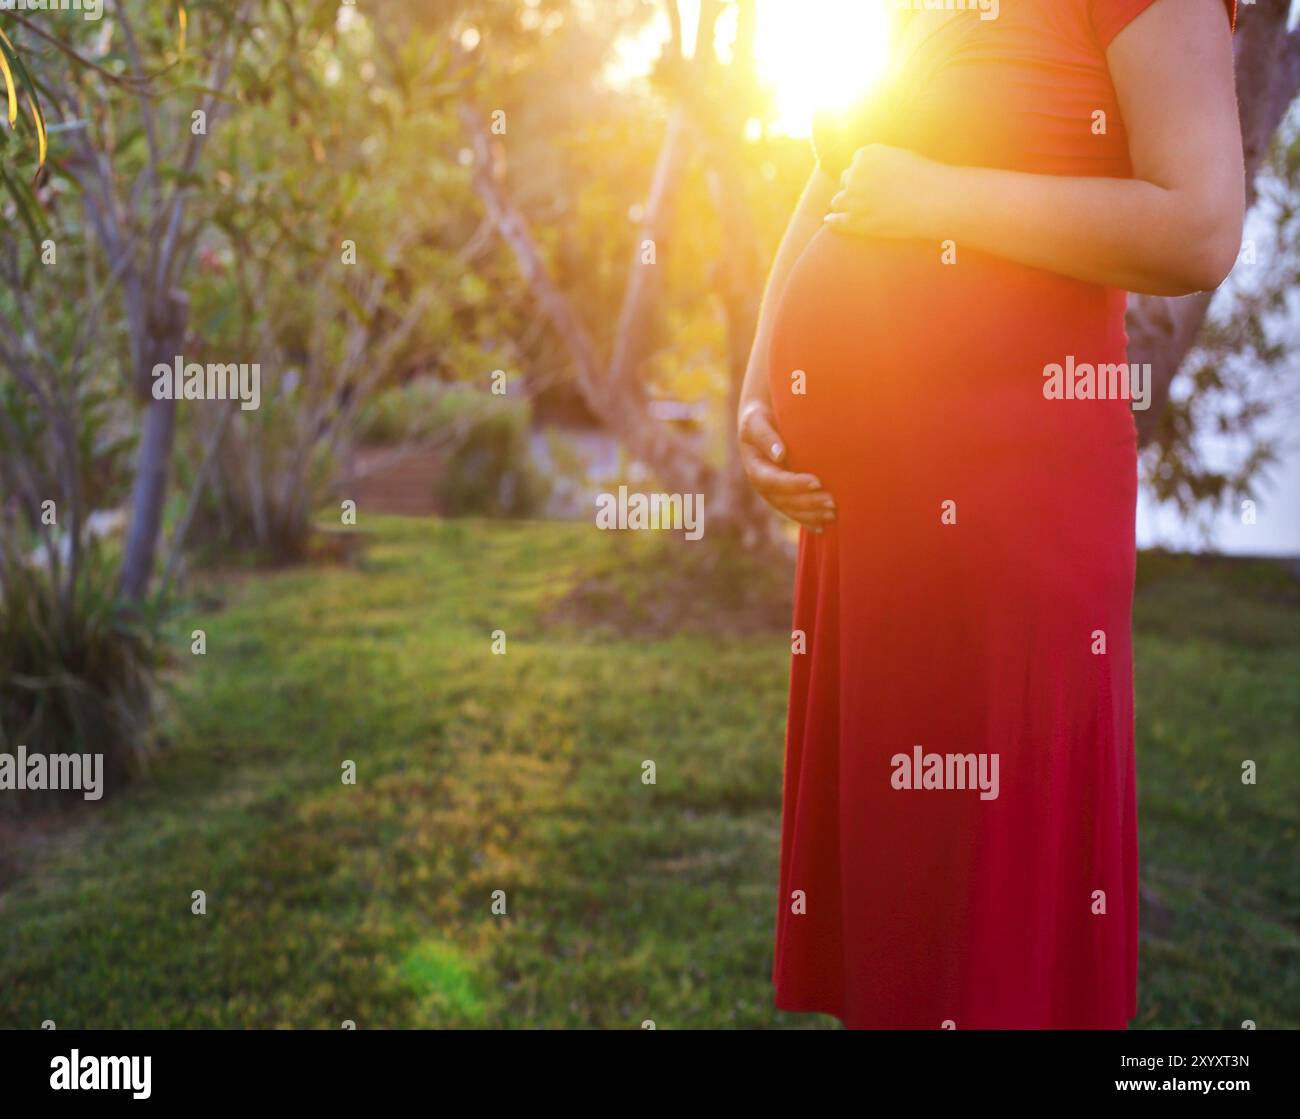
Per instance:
(938,395)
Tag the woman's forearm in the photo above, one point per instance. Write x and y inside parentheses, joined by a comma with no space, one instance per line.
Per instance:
(1124,233)
(805,222)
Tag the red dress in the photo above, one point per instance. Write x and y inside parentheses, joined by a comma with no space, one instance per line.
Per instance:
(971,604)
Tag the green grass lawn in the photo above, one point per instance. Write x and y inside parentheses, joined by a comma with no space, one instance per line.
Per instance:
(522,773)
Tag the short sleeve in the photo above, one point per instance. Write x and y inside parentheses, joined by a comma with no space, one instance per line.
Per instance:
(1110,17)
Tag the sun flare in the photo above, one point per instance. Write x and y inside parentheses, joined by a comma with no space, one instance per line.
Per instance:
(819,54)
(812,54)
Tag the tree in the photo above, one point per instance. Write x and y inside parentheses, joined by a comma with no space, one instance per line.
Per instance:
(135,139)
(614,388)
(1162,331)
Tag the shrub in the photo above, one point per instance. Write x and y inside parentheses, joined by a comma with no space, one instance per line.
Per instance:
(76,675)
(489,470)
(409,414)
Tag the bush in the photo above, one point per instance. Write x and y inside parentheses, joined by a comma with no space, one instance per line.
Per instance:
(489,470)
(76,676)
(409,414)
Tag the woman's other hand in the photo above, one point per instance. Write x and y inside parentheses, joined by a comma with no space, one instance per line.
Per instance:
(762,453)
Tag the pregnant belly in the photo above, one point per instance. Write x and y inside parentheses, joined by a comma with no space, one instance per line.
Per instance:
(882,352)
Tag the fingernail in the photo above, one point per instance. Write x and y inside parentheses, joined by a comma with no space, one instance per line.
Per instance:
(814,484)
(777,452)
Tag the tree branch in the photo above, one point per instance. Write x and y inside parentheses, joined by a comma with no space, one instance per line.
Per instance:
(621,405)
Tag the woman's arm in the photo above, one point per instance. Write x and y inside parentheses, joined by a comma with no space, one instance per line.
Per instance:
(1174,228)
(798,496)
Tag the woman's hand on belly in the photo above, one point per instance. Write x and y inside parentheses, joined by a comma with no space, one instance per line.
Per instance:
(886,192)
(762,453)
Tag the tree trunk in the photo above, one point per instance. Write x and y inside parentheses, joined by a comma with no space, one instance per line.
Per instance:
(153,458)
(741,271)
(1162,331)
(740,291)
(147,497)
(621,403)
(636,317)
